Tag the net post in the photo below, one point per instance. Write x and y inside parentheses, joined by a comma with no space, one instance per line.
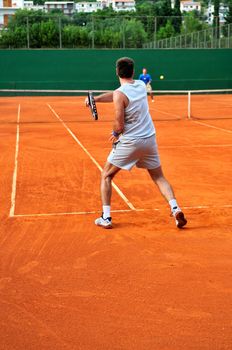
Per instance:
(189,104)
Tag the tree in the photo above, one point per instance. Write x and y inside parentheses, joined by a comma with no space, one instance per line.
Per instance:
(74,36)
(192,24)
(166,32)
(164,13)
(134,32)
(229,14)
(177,19)
(216,21)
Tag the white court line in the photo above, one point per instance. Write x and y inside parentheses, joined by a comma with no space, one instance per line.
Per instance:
(211,126)
(195,146)
(120,211)
(13,193)
(130,205)
(77,213)
(225,102)
(171,114)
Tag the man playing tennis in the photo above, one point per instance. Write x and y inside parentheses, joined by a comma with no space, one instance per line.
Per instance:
(146,78)
(134,142)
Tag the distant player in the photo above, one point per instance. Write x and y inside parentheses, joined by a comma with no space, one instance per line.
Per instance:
(146,78)
(134,141)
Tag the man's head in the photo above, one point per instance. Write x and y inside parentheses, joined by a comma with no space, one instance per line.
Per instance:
(125,67)
(144,71)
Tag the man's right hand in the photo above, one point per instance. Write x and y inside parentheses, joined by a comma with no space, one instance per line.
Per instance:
(87,102)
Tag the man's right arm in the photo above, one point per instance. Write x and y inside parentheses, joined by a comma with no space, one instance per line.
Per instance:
(106,97)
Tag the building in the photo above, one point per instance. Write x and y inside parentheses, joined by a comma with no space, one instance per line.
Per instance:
(187,6)
(29,5)
(88,7)
(117,5)
(223,10)
(67,7)
(123,5)
(7,9)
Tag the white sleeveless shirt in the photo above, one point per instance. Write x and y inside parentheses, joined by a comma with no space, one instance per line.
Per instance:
(138,122)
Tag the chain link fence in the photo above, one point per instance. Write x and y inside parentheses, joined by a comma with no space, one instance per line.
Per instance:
(211,38)
(126,31)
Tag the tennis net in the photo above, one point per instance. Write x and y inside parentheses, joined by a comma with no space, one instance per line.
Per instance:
(168,105)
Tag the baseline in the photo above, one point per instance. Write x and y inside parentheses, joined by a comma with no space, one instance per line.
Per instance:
(228,206)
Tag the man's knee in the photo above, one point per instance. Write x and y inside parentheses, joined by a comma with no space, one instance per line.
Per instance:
(105,175)
(109,172)
(156,173)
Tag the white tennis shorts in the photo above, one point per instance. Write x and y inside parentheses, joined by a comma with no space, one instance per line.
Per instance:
(149,87)
(140,152)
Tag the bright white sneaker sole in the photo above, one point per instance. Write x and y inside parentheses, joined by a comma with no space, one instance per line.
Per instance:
(103,223)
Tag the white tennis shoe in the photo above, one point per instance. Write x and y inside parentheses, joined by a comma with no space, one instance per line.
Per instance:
(105,223)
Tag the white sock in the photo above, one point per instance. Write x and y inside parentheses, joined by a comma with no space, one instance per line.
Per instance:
(106,211)
(174,206)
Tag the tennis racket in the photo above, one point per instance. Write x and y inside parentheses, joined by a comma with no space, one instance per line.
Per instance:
(92,106)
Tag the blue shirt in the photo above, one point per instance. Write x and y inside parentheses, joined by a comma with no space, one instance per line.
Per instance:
(146,78)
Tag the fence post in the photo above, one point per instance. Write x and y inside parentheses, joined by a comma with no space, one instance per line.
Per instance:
(123,34)
(60,33)
(204,38)
(28,34)
(212,37)
(228,32)
(155,31)
(93,41)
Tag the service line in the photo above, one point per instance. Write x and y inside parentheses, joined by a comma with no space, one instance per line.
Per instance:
(211,126)
(196,146)
(167,113)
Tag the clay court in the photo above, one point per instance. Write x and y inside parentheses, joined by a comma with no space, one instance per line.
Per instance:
(144,285)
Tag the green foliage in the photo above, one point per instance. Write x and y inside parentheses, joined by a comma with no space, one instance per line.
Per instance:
(74,36)
(192,24)
(16,39)
(166,32)
(177,19)
(104,29)
(216,21)
(229,14)
(135,35)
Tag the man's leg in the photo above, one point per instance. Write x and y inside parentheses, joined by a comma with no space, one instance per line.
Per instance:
(168,193)
(107,175)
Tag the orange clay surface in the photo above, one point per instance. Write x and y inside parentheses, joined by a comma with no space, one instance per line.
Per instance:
(144,285)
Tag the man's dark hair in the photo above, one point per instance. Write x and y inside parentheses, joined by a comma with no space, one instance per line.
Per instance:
(125,67)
